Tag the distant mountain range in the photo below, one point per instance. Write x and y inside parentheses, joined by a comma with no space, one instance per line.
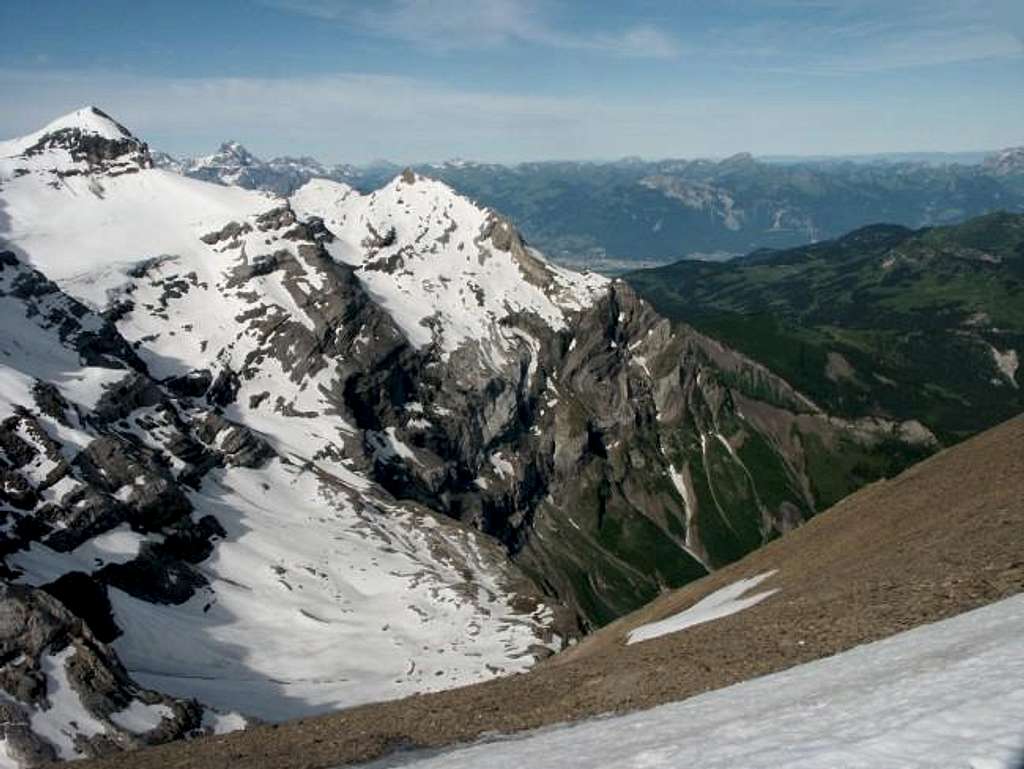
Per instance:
(619,215)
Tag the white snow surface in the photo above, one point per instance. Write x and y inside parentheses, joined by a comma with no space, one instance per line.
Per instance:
(443,271)
(140,718)
(88,232)
(65,717)
(721,603)
(318,602)
(1007,362)
(942,696)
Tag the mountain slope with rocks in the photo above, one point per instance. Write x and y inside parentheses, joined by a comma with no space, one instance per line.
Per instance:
(267,456)
(941,539)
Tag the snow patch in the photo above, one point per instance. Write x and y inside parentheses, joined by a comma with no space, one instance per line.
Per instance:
(721,603)
(1007,363)
(140,718)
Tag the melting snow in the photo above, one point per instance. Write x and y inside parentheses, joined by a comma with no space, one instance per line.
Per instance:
(66,716)
(140,718)
(721,603)
(1007,363)
(320,601)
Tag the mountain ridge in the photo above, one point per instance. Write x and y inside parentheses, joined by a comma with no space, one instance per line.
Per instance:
(379,417)
(609,215)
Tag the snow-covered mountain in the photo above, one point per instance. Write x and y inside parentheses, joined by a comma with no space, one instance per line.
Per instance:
(1006,162)
(267,456)
(233,164)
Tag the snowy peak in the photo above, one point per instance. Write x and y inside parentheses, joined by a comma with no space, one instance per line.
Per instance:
(235,166)
(89,120)
(1006,162)
(86,141)
(230,153)
(446,269)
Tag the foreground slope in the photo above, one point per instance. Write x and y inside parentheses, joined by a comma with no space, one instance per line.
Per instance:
(945,695)
(940,539)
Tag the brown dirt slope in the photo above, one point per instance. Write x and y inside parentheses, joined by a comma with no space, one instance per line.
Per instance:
(942,538)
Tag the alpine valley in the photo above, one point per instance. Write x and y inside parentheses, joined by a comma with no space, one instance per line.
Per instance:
(268,454)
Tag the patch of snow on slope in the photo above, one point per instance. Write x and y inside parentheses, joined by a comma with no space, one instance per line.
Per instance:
(66,716)
(39,564)
(140,718)
(721,603)
(941,696)
(1008,363)
(6,760)
(223,723)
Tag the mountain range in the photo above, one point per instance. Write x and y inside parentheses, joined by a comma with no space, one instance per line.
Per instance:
(619,215)
(265,456)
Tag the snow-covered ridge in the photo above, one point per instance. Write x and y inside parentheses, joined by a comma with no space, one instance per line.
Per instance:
(89,120)
(449,271)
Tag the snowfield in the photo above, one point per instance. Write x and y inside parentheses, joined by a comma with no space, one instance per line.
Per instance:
(943,696)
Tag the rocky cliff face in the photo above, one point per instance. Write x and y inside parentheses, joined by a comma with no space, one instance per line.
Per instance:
(263,457)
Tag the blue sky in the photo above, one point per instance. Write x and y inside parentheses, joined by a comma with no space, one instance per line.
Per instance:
(509,80)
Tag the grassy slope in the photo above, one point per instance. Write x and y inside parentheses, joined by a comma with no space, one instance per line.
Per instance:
(913,313)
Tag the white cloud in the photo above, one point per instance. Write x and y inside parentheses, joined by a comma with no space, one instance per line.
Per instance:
(445,25)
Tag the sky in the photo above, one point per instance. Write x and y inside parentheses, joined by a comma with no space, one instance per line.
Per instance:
(513,80)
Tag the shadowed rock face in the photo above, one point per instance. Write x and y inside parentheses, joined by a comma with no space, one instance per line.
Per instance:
(633,458)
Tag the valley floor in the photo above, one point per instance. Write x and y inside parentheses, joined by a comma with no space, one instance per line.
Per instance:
(941,539)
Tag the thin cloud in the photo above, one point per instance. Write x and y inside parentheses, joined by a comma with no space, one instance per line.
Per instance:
(449,25)
(869,36)
(359,117)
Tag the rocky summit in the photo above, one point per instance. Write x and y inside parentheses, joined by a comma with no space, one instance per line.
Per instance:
(266,456)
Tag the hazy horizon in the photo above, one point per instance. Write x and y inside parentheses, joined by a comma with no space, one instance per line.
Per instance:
(511,81)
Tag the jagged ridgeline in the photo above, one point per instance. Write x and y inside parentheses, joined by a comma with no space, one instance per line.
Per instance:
(268,456)
(623,213)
